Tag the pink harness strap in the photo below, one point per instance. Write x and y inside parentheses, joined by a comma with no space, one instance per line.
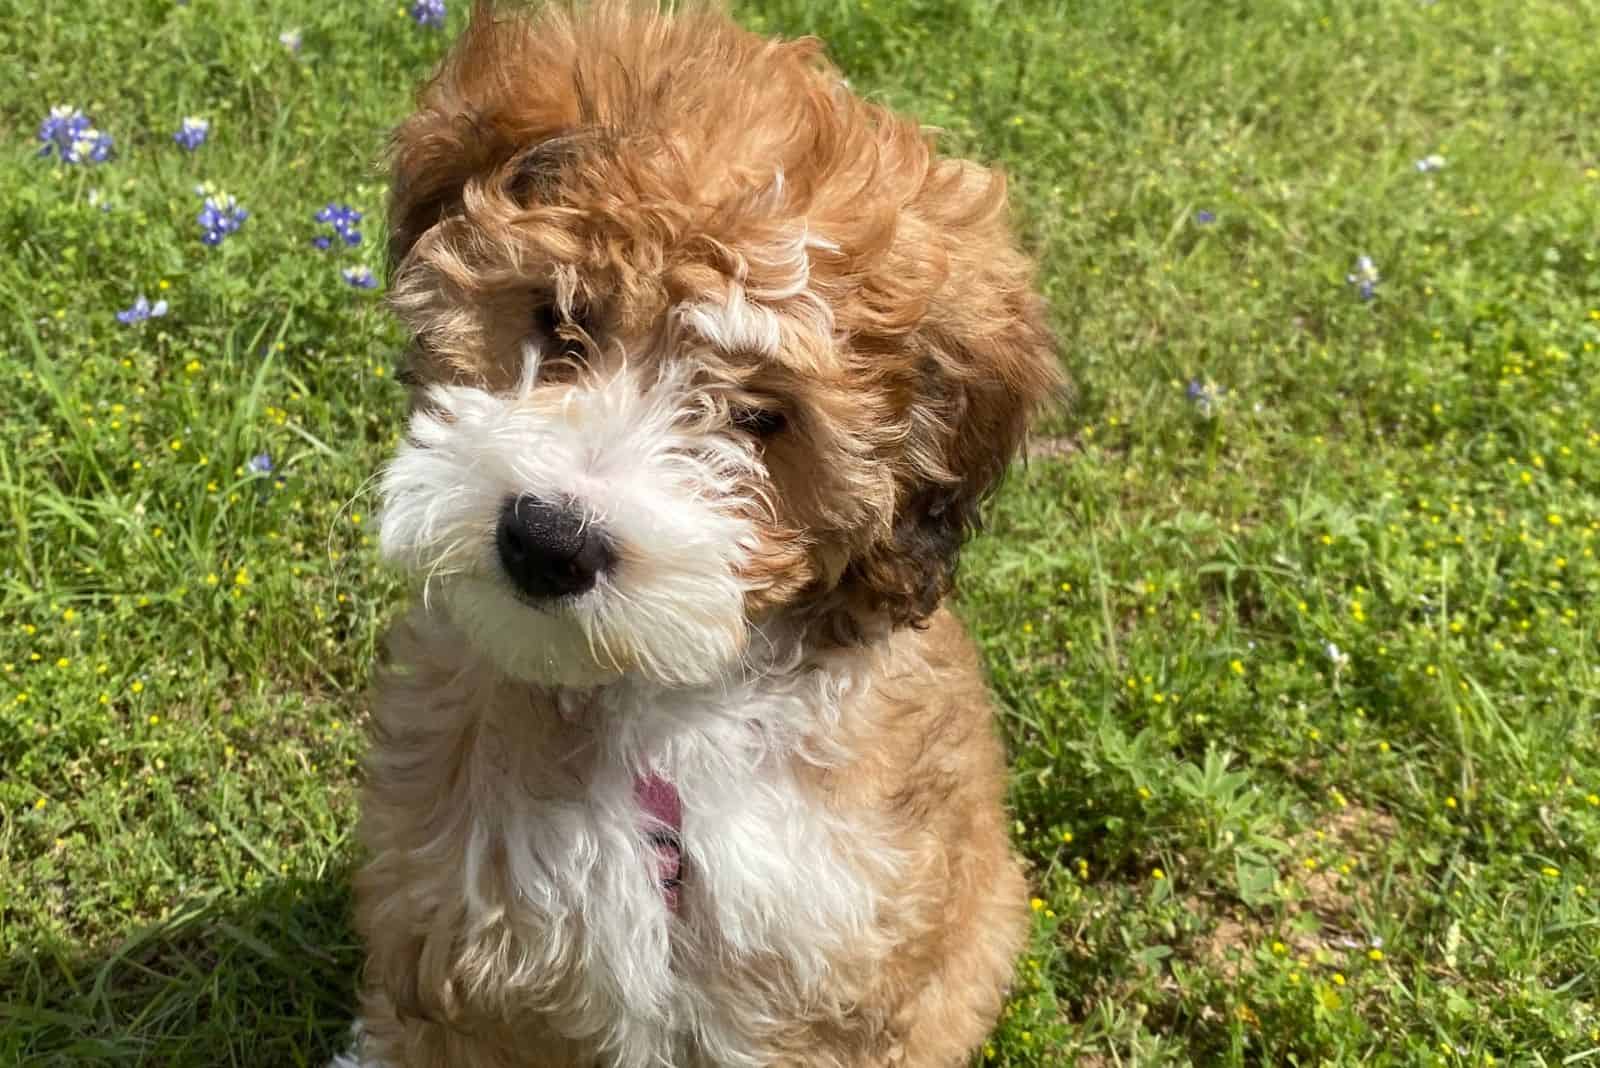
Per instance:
(663,809)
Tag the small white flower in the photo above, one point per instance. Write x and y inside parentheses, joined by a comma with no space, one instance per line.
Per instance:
(1365,271)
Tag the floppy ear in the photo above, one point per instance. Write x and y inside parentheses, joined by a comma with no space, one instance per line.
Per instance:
(432,158)
(985,391)
(505,86)
(984,363)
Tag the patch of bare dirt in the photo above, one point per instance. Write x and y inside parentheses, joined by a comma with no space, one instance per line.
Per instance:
(1054,448)
(1324,899)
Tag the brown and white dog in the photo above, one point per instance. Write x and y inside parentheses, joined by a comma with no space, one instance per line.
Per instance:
(679,761)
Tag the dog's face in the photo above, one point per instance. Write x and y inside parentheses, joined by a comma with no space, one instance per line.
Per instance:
(703,345)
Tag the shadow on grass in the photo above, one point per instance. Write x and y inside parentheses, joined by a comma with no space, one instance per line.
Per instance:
(267,979)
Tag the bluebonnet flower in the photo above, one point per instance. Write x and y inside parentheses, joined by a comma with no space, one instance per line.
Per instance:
(428,13)
(1364,277)
(60,127)
(1206,396)
(343,219)
(220,217)
(341,216)
(360,277)
(99,199)
(1205,218)
(259,464)
(68,132)
(1434,162)
(92,146)
(142,309)
(192,133)
(290,39)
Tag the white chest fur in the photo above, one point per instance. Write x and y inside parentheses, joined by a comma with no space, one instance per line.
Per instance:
(507,828)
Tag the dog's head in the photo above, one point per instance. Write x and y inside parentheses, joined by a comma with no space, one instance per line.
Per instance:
(704,344)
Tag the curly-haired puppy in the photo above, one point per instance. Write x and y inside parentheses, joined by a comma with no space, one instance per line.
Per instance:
(678,760)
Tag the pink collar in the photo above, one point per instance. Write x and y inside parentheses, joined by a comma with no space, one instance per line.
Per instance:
(663,810)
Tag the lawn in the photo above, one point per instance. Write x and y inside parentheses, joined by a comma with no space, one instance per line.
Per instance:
(1293,610)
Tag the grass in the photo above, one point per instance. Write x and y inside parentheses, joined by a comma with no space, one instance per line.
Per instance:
(1300,675)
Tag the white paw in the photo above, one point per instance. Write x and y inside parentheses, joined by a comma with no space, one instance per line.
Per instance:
(355,1058)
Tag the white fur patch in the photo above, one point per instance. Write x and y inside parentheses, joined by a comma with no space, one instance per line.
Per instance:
(786,267)
(736,326)
(648,468)
(578,931)
(355,1058)
(753,315)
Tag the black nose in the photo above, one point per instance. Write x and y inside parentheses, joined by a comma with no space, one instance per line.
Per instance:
(548,548)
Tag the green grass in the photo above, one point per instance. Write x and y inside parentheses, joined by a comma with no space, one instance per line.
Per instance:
(1247,849)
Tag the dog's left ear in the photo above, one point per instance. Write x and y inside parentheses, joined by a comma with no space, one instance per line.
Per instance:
(983,364)
(464,123)
(510,84)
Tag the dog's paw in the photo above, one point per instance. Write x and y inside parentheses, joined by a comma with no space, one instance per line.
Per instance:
(356,1057)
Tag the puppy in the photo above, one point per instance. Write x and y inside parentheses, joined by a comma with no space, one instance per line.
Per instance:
(678,760)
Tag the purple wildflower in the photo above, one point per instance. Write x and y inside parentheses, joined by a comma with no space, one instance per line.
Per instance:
(343,219)
(428,13)
(1206,396)
(259,464)
(192,133)
(291,39)
(92,147)
(360,277)
(1364,277)
(220,217)
(1205,218)
(142,309)
(60,127)
(68,132)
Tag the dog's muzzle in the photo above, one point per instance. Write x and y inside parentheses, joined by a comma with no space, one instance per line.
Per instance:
(550,548)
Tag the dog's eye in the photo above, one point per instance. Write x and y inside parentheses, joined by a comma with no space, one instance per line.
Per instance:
(762,422)
(559,336)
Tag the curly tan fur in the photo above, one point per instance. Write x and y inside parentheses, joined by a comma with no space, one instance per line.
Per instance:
(630,162)
(683,200)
